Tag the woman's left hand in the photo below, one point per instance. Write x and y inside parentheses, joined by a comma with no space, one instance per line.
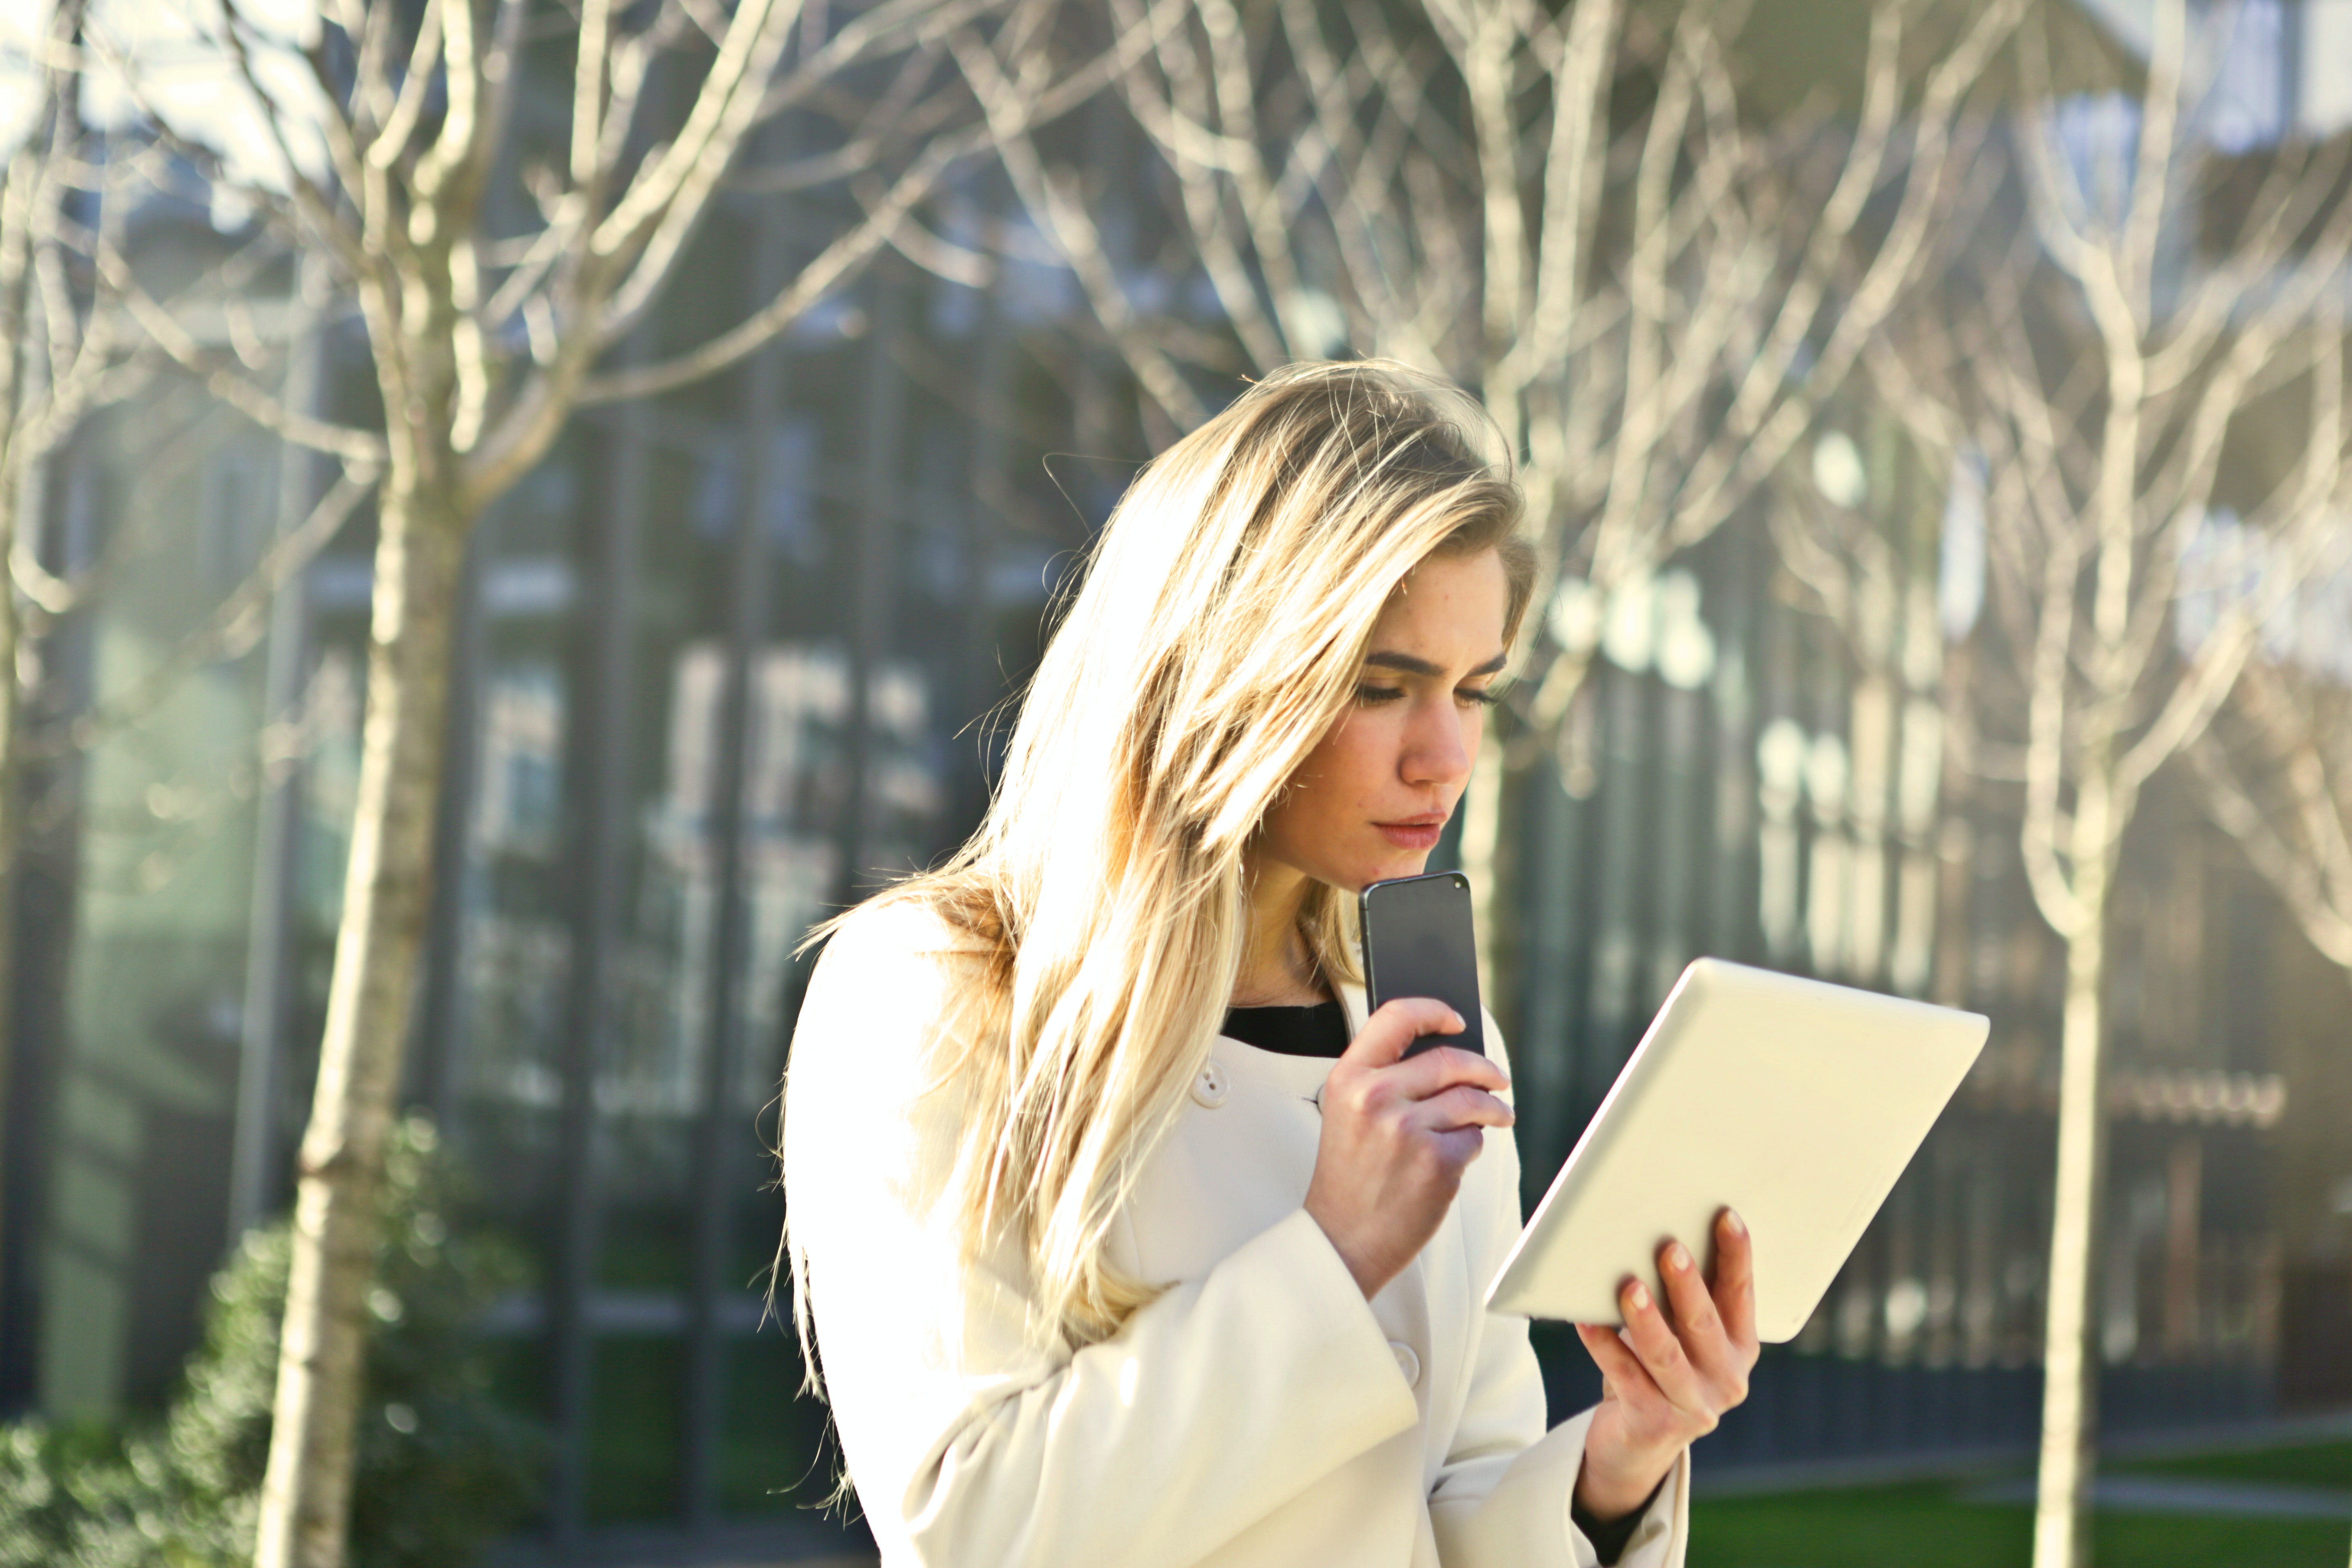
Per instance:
(1667,1381)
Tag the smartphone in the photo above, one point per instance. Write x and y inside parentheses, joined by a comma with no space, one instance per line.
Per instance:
(1418,942)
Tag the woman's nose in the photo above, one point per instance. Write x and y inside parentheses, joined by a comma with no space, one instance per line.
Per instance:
(1437,751)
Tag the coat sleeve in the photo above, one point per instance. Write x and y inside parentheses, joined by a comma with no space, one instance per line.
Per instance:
(1502,1497)
(967,1440)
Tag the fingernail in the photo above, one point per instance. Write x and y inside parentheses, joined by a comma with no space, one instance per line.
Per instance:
(1638,1294)
(1677,1258)
(1733,1223)
(1458,1025)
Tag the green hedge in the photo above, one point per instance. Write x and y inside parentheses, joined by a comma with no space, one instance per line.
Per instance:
(442,1467)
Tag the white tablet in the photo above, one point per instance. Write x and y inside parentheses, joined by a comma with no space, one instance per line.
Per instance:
(1795,1103)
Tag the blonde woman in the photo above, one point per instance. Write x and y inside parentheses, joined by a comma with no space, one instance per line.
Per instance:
(1126,1240)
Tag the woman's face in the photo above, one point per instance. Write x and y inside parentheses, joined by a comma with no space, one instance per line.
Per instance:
(1370,800)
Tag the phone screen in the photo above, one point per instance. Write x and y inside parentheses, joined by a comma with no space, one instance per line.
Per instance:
(1418,942)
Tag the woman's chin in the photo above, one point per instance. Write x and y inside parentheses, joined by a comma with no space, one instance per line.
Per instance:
(1394,865)
(1384,865)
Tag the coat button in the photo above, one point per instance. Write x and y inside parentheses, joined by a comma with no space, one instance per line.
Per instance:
(1407,1362)
(1210,1088)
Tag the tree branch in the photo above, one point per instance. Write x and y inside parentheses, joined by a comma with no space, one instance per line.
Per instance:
(354,445)
(234,627)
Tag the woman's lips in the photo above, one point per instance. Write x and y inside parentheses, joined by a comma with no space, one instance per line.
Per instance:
(1412,835)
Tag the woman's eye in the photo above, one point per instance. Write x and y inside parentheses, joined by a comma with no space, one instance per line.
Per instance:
(1481,696)
(1371,694)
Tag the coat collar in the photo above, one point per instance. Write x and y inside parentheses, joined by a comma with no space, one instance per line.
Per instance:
(1351,1001)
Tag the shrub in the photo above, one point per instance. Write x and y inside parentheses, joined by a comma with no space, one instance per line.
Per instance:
(441,1468)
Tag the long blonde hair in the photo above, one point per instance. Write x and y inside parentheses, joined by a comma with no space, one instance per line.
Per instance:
(1217,639)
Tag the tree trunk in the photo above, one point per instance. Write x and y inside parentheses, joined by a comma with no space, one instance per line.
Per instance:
(2062,1518)
(18,364)
(12,827)
(1482,826)
(1502,770)
(306,1495)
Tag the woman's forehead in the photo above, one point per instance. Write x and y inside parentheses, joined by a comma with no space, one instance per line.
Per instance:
(1447,607)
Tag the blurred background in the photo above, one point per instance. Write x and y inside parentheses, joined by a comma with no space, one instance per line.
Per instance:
(1813,378)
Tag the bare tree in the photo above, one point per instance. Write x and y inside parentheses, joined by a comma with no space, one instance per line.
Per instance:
(390,139)
(2275,773)
(1567,209)
(2098,367)
(48,379)
(69,350)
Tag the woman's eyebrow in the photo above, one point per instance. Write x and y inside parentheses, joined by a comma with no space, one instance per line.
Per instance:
(1410,665)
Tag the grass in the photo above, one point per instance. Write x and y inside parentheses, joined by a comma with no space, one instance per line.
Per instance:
(2325,1465)
(1927,1524)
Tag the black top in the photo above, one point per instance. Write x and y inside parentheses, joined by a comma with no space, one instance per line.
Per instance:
(1320,1030)
(1611,1537)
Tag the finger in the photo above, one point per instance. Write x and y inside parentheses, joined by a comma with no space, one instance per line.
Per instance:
(1695,1320)
(1435,1071)
(1461,1145)
(1620,1370)
(1386,1034)
(1734,1280)
(1648,1414)
(1693,1313)
(1461,1106)
(1661,1352)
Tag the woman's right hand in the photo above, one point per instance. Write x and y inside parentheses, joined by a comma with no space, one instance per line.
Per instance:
(1397,1136)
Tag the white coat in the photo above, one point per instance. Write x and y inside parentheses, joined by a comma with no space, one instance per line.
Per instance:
(1258,1414)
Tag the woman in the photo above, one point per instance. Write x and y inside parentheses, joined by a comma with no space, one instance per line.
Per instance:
(1093,1278)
